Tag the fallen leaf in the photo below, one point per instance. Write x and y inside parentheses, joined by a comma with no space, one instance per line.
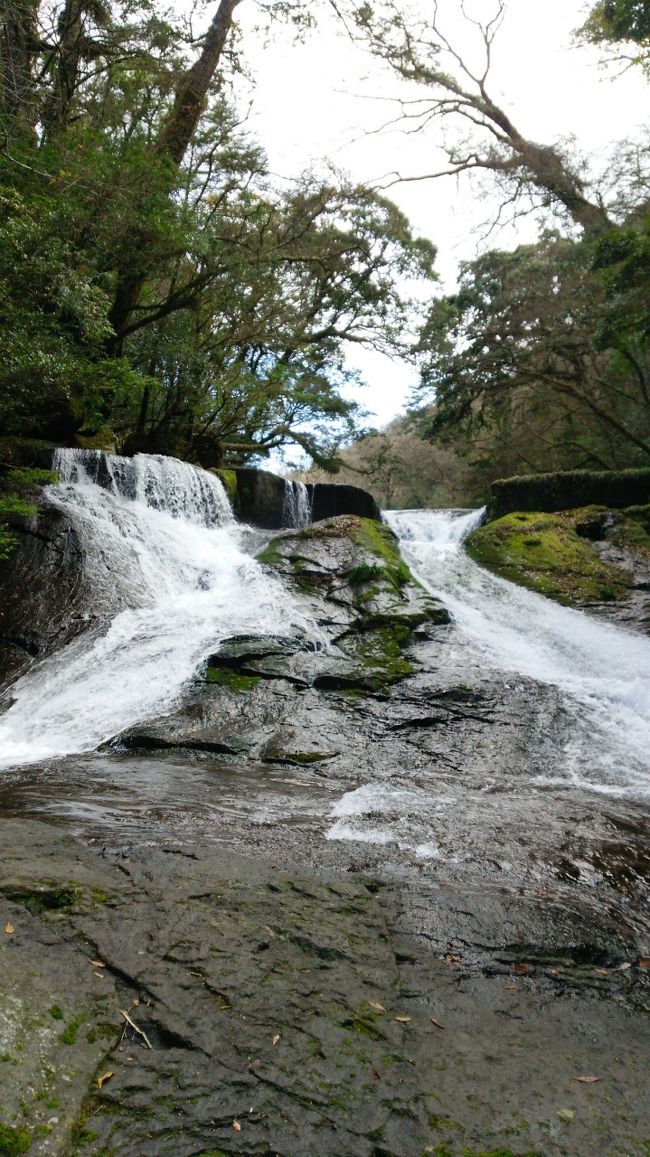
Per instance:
(100,975)
(623,967)
(403,1019)
(601,971)
(644,962)
(375,1004)
(9,928)
(511,987)
(103,1079)
(451,958)
(587,1080)
(437,1023)
(97,963)
(376,1074)
(236,1126)
(552,972)
(521,967)
(276,1039)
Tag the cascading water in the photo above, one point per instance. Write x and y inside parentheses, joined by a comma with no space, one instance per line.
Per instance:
(169,578)
(602,670)
(297,506)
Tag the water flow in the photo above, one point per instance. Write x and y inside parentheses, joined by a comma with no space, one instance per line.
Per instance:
(169,579)
(297,507)
(602,670)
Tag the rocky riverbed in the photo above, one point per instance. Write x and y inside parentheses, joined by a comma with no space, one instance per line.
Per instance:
(336,903)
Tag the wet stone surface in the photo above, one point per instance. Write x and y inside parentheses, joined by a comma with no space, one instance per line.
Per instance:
(301,917)
(287,1013)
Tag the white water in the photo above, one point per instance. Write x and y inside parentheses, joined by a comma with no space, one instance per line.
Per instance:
(603,671)
(164,557)
(297,506)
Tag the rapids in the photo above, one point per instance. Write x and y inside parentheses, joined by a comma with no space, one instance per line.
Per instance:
(602,670)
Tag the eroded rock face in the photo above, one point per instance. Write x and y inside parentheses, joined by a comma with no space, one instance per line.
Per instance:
(43,591)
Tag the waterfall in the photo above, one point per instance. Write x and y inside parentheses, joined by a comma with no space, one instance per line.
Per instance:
(297,507)
(602,671)
(161,483)
(169,578)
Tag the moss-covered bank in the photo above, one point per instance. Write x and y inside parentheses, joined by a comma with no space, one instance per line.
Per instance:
(555,553)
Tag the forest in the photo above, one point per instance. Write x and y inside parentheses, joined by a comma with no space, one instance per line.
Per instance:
(160,290)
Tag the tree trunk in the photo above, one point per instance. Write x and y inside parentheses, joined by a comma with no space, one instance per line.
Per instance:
(193,88)
(17,47)
(56,113)
(173,142)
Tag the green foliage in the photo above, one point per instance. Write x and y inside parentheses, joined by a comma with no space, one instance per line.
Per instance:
(542,357)
(616,20)
(14,1140)
(176,299)
(18,487)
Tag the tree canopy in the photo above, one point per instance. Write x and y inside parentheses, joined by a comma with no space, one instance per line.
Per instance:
(152,275)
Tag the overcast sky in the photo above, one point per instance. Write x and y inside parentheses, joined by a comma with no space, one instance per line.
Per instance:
(325,99)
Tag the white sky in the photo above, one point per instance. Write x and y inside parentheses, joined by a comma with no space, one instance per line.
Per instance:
(323,100)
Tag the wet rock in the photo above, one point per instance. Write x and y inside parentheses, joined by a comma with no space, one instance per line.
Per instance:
(332,499)
(276,1009)
(44,596)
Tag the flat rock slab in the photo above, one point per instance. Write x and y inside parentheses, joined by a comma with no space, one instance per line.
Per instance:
(277,1011)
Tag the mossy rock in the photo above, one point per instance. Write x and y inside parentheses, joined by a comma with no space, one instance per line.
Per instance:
(231,680)
(228,478)
(569,490)
(545,553)
(19,488)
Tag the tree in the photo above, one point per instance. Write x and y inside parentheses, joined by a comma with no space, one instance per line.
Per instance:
(151,276)
(612,21)
(452,91)
(539,352)
(285,283)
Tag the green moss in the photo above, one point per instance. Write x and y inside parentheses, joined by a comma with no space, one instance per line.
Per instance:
(102,1031)
(378,540)
(53,896)
(566,490)
(71,1031)
(225,677)
(18,487)
(364,573)
(445,1151)
(14,1140)
(56,1012)
(380,651)
(631,530)
(364,1023)
(544,552)
(229,480)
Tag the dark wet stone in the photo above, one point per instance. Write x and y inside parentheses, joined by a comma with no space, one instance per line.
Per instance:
(287,1012)
(44,595)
